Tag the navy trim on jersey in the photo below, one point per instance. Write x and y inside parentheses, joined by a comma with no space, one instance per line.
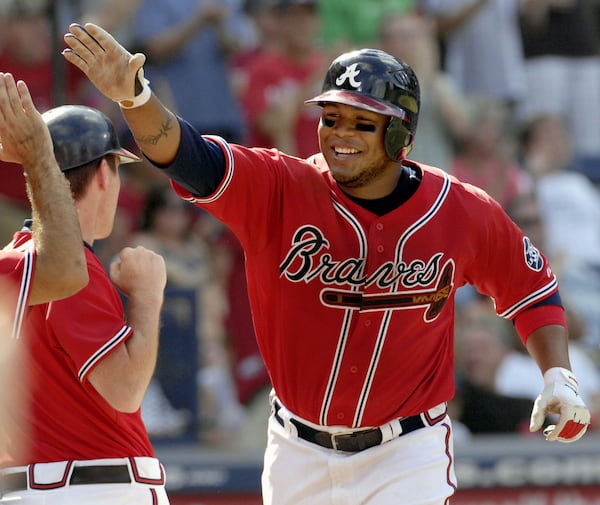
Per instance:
(553,299)
(199,165)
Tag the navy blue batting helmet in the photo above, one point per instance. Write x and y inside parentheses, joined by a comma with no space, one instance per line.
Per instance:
(374,80)
(83,134)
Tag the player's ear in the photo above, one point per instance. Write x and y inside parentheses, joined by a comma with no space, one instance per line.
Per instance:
(106,171)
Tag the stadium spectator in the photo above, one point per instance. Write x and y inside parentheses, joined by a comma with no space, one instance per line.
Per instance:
(562,62)
(442,117)
(348,24)
(487,155)
(188,44)
(280,81)
(482,46)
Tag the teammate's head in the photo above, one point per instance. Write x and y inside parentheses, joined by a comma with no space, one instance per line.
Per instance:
(373,80)
(88,151)
(82,135)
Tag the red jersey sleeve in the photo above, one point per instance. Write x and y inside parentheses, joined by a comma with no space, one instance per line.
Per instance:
(16,277)
(503,263)
(90,325)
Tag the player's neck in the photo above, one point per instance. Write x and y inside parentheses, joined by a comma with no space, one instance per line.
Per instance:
(407,184)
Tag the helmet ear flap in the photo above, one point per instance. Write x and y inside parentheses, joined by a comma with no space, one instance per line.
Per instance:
(398,140)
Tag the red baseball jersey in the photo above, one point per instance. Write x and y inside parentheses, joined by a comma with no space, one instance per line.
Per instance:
(65,417)
(354,312)
(17,265)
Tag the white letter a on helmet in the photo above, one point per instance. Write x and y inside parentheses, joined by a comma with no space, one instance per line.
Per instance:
(350,74)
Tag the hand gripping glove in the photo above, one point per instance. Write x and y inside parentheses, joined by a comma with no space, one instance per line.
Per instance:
(117,73)
(560,396)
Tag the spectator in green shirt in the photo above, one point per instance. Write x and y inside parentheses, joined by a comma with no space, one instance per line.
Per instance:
(349,23)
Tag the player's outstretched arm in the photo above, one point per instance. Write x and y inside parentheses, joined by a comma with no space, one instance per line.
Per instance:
(549,347)
(119,76)
(123,377)
(60,268)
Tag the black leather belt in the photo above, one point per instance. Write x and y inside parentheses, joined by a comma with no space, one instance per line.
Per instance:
(109,474)
(348,442)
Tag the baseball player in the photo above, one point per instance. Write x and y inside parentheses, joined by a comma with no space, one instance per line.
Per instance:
(353,257)
(80,437)
(52,264)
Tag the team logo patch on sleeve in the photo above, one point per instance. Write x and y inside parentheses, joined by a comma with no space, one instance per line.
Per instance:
(533,258)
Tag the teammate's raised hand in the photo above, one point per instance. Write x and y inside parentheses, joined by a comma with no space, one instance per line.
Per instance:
(116,72)
(24,136)
(561,396)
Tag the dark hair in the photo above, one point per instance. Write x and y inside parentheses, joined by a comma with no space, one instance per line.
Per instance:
(79,177)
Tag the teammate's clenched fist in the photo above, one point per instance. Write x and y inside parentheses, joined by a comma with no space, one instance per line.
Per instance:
(116,72)
(139,272)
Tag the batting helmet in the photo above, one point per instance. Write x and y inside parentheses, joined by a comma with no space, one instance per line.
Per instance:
(374,80)
(82,134)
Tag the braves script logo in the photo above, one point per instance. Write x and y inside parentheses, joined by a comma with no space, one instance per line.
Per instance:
(308,261)
(350,74)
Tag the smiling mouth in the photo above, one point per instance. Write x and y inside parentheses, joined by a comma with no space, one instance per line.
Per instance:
(345,151)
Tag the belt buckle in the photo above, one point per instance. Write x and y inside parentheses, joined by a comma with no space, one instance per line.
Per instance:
(343,435)
(360,439)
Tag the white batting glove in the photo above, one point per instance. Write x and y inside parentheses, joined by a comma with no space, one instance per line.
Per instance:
(560,396)
(118,74)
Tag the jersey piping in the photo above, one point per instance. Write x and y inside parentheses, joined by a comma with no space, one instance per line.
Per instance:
(229,170)
(23,294)
(105,349)
(383,330)
(536,296)
(343,338)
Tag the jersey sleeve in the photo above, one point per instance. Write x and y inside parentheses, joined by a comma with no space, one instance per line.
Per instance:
(508,267)
(89,325)
(16,278)
(250,196)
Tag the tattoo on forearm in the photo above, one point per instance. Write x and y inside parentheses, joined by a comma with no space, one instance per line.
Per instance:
(152,140)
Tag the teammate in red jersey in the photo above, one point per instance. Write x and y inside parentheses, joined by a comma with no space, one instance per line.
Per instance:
(52,265)
(88,367)
(353,258)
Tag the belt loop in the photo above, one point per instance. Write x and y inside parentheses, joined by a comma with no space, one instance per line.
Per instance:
(285,416)
(391,430)
(49,475)
(435,414)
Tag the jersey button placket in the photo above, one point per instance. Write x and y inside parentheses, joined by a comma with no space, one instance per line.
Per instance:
(380,247)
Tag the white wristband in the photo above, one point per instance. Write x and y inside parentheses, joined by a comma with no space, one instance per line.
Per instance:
(142,97)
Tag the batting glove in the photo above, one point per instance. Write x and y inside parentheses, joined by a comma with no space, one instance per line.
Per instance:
(117,73)
(560,396)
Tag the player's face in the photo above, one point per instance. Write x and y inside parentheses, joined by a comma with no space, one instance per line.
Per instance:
(352,142)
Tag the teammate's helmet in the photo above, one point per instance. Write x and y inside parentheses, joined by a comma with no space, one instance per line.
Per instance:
(373,80)
(82,134)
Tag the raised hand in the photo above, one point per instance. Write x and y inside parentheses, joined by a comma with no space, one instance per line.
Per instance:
(116,72)
(24,137)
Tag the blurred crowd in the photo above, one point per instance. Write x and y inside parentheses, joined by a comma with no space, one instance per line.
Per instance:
(510,102)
